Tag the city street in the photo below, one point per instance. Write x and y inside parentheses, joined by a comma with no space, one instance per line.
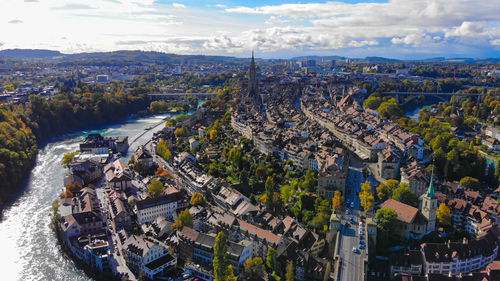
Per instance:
(352,262)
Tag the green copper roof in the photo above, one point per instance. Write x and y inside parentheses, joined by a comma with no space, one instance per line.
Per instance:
(430,191)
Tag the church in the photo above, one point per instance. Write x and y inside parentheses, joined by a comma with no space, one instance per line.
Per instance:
(415,223)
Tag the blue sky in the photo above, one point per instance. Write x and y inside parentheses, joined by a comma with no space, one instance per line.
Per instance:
(274,29)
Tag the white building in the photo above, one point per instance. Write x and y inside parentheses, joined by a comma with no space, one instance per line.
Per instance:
(165,205)
(455,258)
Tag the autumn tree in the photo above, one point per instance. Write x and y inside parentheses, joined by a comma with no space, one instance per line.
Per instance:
(385,190)
(254,269)
(180,132)
(67,158)
(197,199)
(163,151)
(261,172)
(470,183)
(185,219)
(443,214)
(156,188)
(366,197)
(213,134)
(337,201)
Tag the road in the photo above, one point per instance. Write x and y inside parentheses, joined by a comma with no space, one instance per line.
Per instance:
(352,263)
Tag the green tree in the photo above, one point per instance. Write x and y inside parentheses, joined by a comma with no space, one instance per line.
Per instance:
(290,274)
(390,109)
(156,188)
(372,102)
(443,214)
(223,271)
(385,190)
(366,197)
(254,269)
(286,193)
(271,258)
(67,158)
(405,195)
(386,219)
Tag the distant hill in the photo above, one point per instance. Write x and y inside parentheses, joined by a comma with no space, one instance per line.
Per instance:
(129,57)
(29,54)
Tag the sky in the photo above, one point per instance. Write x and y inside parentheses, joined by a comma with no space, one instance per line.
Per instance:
(405,29)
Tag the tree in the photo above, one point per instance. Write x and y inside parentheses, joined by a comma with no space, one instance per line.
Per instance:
(443,214)
(385,190)
(470,183)
(372,102)
(290,275)
(386,218)
(67,158)
(163,151)
(222,271)
(180,132)
(197,199)
(286,193)
(254,269)
(271,258)
(213,134)
(366,197)
(405,195)
(185,219)
(337,201)
(260,172)
(156,188)
(390,109)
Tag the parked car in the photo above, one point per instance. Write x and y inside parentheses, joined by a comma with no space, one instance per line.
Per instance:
(361,246)
(354,250)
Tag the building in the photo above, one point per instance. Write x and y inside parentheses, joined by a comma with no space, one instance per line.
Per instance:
(120,214)
(118,175)
(237,253)
(412,224)
(460,257)
(82,223)
(388,164)
(429,206)
(150,208)
(417,178)
(143,157)
(411,263)
(144,255)
(97,255)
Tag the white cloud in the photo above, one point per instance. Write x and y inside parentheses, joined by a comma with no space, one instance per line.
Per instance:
(495,42)
(410,39)
(16,21)
(221,6)
(179,6)
(467,29)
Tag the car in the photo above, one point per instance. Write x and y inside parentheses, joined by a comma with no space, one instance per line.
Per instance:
(361,219)
(352,204)
(352,218)
(361,246)
(347,224)
(355,250)
(348,212)
(360,223)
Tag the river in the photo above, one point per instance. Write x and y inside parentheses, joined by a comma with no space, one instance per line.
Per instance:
(29,248)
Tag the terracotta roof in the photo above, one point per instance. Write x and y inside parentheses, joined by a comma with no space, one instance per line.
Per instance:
(259,232)
(406,213)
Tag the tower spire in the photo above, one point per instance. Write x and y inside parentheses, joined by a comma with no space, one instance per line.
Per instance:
(430,191)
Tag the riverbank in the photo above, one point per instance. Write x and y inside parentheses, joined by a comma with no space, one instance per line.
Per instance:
(30,251)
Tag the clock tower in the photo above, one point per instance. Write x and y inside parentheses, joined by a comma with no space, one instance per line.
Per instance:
(429,206)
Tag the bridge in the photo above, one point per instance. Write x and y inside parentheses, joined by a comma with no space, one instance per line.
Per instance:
(441,96)
(179,95)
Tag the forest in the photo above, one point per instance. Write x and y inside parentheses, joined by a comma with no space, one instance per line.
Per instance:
(24,126)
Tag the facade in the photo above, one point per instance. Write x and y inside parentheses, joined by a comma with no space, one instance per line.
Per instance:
(412,224)
(411,263)
(118,175)
(460,257)
(388,164)
(97,255)
(416,177)
(237,253)
(165,205)
(143,157)
(141,254)
(120,214)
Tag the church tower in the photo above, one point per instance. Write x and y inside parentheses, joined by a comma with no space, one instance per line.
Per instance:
(253,91)
(429,205)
